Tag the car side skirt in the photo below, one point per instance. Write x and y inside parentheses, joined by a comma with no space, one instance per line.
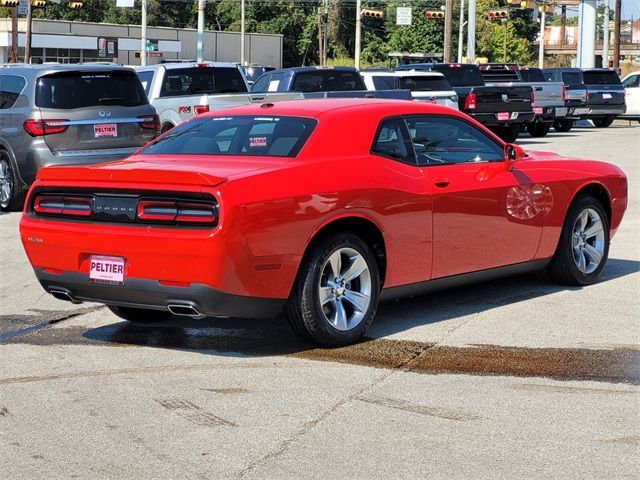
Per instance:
(462,279)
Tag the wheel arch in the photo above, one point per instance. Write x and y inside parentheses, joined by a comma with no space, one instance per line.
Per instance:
(598,191)
(363,227)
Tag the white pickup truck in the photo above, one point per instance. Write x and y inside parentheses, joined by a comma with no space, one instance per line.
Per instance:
(178,91)
(424,86)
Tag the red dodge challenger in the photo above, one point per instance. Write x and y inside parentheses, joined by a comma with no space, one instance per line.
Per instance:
(322,208)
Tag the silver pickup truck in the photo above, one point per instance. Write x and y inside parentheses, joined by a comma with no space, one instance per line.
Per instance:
(178,91)
(548,97)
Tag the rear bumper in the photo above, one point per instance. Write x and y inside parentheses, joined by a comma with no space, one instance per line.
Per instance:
(150,294)
(491,120)
(595,111)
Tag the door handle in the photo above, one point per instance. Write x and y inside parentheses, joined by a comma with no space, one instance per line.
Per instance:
(441,182)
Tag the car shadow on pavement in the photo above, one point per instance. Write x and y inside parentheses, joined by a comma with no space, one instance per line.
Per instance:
(235,336)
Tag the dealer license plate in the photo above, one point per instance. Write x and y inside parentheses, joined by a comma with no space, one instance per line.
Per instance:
(537,110)
(106,270)
(503,116)
(105,130)
(606,96)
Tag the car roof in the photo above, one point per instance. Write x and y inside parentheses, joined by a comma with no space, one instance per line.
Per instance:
(318,108)
(314,69)
(176,65)
(66,67)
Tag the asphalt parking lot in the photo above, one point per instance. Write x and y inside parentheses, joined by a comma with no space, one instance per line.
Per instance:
(515,378)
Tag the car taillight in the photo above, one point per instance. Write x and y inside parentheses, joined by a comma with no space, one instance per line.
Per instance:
(150,122)
(586,96)
(532,98)
(200,109)
(37,128)
(470,103)
(62,205)
(564,93)
(176,211)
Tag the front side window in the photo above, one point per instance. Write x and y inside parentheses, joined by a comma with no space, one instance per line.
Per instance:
(239,135)
(262,84)
(445,140)
(632,81)
(10,89)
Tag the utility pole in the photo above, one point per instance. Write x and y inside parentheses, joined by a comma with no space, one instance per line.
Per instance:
(448,27)
(563,25)
(461,31)
(616,30)
(586,57)
(242,31)
(200,49)
(27,35)
(504,44)
(325,26)
(605,36)
(543,18)
(143,36)
(13,54)
(471,32)
(358,33)
(320,41)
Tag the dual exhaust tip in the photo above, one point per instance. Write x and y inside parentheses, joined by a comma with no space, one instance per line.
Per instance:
(183,309)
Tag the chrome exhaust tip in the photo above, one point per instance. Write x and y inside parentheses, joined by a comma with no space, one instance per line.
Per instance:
(63,294)
(184,310)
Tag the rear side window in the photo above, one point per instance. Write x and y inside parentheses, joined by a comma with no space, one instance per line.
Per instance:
(241,135)
(601,78)
(424,84)
(632,81)
(202,81)
(10,89)
(145,80)
(68,90)
(327,81)
(391,141)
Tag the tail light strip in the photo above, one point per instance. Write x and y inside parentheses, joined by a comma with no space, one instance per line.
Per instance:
(59,205)
(178,211)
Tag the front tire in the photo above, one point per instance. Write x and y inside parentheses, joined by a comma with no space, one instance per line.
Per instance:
(563,126)
(603,122)
(583,248)
(139,315)
(538,129)
(335,297)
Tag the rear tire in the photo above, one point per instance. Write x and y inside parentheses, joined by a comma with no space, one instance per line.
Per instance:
(335,297)
(11,191)
(603,122)
(508,134)
(562,126)
(538,129)
(583,248)
(139,315)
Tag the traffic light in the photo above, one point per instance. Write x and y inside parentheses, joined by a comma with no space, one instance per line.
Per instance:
(9,3)
(527,4)
(74,5)
(366,13)
(498,14)
(545,8)
(434,15)
(38,3)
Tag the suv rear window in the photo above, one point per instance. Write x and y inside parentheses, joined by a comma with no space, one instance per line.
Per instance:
(77,89)
(461,76)
(202,81)
(424,84)
(571,78)
(601,78)
(327,81)
(241,135)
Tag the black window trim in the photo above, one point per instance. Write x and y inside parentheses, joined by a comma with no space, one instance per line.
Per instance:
(406,138)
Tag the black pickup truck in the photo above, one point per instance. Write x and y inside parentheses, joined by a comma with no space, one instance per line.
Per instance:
(503,109)
(316,82)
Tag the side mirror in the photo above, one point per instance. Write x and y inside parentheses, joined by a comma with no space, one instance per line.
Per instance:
(512,153)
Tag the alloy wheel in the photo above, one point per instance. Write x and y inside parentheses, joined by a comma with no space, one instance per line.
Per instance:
(588,241)
(6,183)
(345,289)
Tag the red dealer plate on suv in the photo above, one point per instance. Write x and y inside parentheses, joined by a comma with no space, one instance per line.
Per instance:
(105,130)
(108,270)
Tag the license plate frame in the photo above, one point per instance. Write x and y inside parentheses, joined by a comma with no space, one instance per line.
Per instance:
(607,96)
(107,270)
(503,116)
(102,130)
(538,110)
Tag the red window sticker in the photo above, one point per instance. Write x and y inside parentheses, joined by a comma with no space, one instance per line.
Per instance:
(257,141)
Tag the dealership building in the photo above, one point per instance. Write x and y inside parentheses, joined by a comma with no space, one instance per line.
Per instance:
(75,42)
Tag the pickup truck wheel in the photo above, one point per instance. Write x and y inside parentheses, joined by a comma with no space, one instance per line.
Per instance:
(603,122)
(335,297)
(584,244)
(508,134)
(538,129)
(562,126)
(139,315)
(11,193)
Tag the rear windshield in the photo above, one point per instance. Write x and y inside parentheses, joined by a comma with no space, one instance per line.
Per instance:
(532,75)
(601,78)
(202,81)
(327,81)
(68,90)
(424,84)
(240,135)
(571,78)
(462,76)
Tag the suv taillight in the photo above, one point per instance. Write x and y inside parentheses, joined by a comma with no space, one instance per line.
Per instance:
(150,122)
(564,93)
(532,98)
(471,102)
(62,205)
(37,128)
(176,211)
(200,109)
